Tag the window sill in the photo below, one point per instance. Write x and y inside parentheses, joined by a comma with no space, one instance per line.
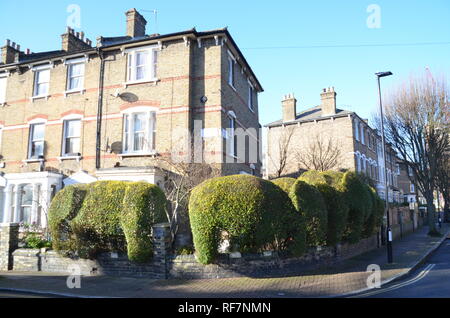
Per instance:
(79,91)
(28,161)
(63,158)
(138,154)
(146,81)
(33,98)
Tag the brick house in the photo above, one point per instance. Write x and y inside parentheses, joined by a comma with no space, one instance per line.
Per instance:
(108,112)
(359,144)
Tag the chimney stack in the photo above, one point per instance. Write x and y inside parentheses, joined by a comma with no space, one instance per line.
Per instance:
(135,23)
(10,52)
(328,97)
(72,41)
(289,105)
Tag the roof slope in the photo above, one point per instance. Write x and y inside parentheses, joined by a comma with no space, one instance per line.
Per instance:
(310,114)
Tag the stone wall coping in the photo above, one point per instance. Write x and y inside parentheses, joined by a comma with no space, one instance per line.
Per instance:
(9,224)
(27,251)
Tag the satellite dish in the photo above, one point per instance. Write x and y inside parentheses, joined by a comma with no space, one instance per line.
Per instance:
(128,97)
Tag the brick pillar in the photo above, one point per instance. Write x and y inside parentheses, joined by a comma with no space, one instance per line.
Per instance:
(9,241)
(161,245)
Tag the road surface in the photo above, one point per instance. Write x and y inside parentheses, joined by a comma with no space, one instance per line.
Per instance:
(430,280)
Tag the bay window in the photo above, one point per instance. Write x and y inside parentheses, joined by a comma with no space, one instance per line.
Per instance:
(139,132)
(26,203)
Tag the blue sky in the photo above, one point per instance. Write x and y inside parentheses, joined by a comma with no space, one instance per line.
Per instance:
(263,29)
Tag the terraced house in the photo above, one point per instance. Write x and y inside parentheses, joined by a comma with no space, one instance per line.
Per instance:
(109,112)
(321,128)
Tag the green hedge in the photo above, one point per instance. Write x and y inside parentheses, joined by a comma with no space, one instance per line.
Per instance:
(309,202)
(313,177)
(144,204)
(97,225)
(64,207)
(334,179)
(337,208)
(255,213)
(359,201)
(106,216)
(285,183)
(373,223)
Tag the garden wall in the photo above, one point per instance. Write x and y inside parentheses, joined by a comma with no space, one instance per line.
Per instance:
(165,265)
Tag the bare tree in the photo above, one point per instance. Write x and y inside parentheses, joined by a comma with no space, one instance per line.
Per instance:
(179,181)
(417,128)
(280,156)
(443,182)
(320,154)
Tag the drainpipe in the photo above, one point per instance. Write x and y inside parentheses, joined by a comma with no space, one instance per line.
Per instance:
(99,108)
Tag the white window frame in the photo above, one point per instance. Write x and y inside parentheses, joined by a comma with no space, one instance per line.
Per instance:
(3,77)
(70,64)
(410,171)
(364,164)
(363,141)
(37,70)
(31,140)
(152,50)
(358,161)
(65,136)
(22,205)
(412,188)
(150,131)
(251,95)
(356,130)
(231,70)
(231,132)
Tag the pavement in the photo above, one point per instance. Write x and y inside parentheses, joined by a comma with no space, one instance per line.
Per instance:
(346,279)
(428,281)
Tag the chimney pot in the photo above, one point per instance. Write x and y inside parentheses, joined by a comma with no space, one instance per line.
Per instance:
(73,41)
(8,42)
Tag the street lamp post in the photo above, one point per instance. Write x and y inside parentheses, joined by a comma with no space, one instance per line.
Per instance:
(386,190)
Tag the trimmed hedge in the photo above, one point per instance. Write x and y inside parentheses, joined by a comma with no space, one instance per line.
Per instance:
(97,225)
(373,223)
(65,206)
(337,209)
(285,183)
(313,177)
(334,179)
(255,214)
(359,202)
(309,202)
(144,204)
(110,216)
